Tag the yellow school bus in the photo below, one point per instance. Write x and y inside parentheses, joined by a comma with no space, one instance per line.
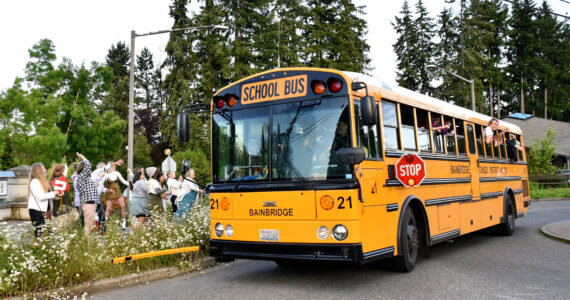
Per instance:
(303,170)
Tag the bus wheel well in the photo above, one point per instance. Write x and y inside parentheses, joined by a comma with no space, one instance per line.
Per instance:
(421,219)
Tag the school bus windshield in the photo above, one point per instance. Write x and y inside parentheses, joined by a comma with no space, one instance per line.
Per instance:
(301,138)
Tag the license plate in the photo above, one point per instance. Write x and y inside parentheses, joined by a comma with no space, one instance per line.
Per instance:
(269,235)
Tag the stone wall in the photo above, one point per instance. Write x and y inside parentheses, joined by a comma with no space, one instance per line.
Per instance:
(16,207)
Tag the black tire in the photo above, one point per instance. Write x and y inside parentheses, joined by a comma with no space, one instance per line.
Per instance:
(410,238)
(284,263)
(508,226)
(223,259)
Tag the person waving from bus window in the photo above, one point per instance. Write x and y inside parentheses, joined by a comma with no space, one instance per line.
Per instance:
(490,131)
(512,145)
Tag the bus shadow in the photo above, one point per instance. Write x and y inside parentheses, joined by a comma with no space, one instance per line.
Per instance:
(291,275)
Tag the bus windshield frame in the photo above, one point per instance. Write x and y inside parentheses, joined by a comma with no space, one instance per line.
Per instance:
(282,141)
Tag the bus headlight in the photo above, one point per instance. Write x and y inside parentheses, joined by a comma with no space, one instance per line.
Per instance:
(219,229)
(323,232)
(340,232)
(229,230)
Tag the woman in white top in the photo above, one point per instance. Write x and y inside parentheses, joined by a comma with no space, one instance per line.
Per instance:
(173,187)
(39,197)
(187,194)
(111,182)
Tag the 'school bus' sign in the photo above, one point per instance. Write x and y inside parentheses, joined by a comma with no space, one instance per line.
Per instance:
(281,88)
(410,170)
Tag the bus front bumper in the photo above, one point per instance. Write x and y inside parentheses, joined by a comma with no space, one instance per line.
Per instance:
(287,251)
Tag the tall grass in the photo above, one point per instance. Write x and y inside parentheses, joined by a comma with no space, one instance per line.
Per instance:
(64,257)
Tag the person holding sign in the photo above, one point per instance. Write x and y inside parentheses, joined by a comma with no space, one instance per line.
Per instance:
(59,183)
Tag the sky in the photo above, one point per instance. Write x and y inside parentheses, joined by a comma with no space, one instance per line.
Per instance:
(85,30)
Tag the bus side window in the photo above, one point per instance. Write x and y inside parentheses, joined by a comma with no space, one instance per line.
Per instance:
(408,128)
(460,133)
(450,136)
(390,123)
(497,145)
(367,136)
(471,137)
(480,143)
(423,130)
(504,147)
(488,147)
(438,131)
(520,153)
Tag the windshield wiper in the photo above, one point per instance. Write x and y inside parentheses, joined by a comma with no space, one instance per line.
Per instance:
(286,160)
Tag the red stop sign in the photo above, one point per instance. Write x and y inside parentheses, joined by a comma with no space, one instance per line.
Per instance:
(410,170)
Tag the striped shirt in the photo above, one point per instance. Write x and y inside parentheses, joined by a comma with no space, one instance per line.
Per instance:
(86,186)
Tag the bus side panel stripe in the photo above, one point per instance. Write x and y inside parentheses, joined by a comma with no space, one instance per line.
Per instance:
(431,156)
(448,200)
(445,236)
(491,195)
(392,207)
(428,181)
(389,251)
(505,178)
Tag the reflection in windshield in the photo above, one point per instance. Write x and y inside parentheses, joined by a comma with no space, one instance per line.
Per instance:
(240,145)
(304,139)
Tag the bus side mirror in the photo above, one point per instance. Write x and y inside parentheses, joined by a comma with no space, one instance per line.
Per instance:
(351,156)
(183,127)
(368,110)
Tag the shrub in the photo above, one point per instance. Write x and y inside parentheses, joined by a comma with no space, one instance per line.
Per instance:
(541,152)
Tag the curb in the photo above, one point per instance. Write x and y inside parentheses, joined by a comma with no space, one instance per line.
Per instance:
(546,230)
(109,284)
(548,199)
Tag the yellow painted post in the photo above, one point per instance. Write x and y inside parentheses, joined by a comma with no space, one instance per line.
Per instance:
(121,259)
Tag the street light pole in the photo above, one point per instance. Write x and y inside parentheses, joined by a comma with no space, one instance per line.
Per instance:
(132,85)
(472,82)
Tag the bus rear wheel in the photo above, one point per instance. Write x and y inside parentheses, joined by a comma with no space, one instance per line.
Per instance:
(508,226)
(410,238)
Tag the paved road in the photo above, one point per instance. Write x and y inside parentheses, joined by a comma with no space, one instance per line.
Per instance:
(527,265)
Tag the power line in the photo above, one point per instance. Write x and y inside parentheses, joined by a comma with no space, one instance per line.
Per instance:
(534,8)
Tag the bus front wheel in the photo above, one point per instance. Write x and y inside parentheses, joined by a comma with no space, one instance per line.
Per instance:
(410,238)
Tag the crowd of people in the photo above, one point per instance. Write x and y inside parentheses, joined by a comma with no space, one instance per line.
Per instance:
(94,189)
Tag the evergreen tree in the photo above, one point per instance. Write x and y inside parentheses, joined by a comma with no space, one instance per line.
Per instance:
(181,64)
(289,16)
(489,19)
(118,97)
(148,102)
(521,49)
(335,36)
(446,56)
(406,75)
(424,47)
(551,65)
